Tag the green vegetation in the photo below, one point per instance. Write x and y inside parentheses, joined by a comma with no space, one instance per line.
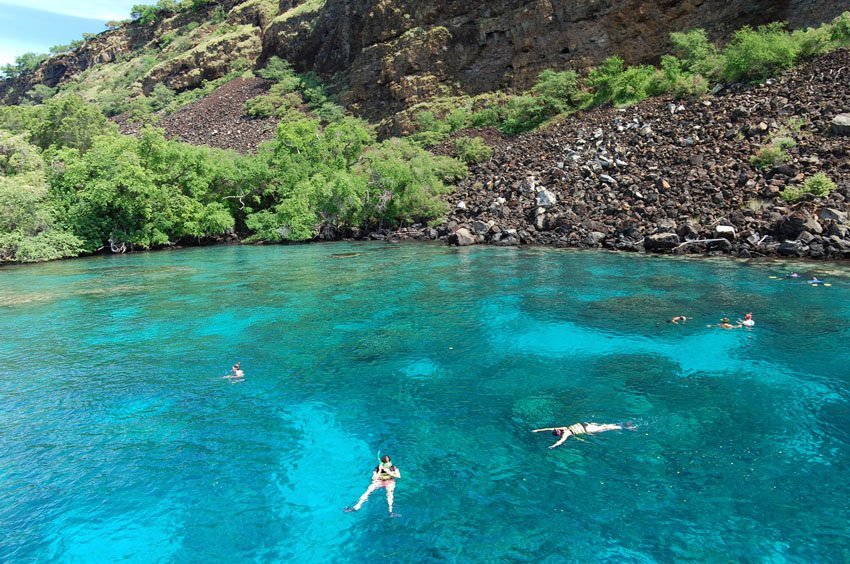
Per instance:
(473,150)
(818,185)
(103,189)
(71,184)
(751,55)
(774,153)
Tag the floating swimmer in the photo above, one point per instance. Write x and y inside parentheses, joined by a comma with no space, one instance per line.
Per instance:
(236,373)
(815,282)
(748,320)
(564,433)
(384,476)
(678,318)
(726,324)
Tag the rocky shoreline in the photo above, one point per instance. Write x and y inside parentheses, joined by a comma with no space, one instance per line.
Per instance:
(669,176)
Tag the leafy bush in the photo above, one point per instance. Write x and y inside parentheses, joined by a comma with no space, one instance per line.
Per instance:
(768,156)
(405,183)
(811,42)
(758,54)
(28,232)
(67,121)
(819,185)
(521,114)
(559,91)
(840,29)
(473,150)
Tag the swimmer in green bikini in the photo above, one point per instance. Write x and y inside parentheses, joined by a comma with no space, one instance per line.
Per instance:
(564,433)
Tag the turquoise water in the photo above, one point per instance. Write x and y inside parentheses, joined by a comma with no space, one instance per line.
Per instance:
(120,440)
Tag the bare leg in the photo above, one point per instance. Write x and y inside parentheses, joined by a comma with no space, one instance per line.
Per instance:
(597,428)
(372,487)
(390,491)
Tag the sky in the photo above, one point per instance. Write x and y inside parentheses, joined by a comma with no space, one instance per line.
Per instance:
(37,25)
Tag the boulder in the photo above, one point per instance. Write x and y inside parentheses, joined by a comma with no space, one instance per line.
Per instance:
(480,227)
(725,231)
(791,249)
(811,224)
(832,214)
(661,242)
(528,185)
(791,226)
(540,218)
(462,238)
(841,124)
(546,199)
(594,238)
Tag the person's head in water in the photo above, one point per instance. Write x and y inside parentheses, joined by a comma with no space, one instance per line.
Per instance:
(385,461)
(558,432)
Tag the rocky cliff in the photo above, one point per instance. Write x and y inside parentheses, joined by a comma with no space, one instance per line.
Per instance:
(383,56)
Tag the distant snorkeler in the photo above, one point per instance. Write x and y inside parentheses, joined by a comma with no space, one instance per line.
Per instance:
(726,324)
(748,320)
(793,275)
(814,281)
(678,318)
(236,373)
(564,433)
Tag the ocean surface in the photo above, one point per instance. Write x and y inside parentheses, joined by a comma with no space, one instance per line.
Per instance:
(120,440)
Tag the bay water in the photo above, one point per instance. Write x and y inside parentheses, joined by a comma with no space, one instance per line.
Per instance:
(121,440)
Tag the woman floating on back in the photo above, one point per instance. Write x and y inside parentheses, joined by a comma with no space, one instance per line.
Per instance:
(564,433)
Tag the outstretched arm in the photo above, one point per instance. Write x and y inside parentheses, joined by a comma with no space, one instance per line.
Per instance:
(545,429)
(563,438)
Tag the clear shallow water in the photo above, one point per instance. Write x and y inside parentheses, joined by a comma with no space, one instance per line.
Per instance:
(119,440)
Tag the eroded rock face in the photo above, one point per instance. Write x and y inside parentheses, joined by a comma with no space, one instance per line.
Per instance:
(386,55)
(396,54)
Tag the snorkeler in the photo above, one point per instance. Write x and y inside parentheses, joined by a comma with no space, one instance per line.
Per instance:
(677,319)
(236,372)
(565,433)
(748,320)
(814,281)
(383,476)
(726,324)
(792,275)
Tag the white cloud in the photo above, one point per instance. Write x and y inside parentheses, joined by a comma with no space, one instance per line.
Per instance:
(92,9)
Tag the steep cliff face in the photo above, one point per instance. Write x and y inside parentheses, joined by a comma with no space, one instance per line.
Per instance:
(383,56)
(396,54)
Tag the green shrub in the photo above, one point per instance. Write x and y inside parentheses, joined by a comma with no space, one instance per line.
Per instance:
(522,113)
(784,142)
(697,54)
(41,93)
(840,29)
(612,82)
(485,117)
(28,231)
(758,54)
(819,185)
(405,183)
(473,150)
(559,91)
(768,156)
(811,42)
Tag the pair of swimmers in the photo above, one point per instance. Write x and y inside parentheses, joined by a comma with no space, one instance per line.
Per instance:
(386,473)
(748,321)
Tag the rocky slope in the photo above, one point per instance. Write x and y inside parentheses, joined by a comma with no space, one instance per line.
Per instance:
(665,175)
(217,120)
